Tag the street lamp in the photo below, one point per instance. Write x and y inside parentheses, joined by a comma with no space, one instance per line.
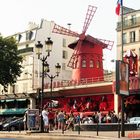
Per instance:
(57,69)
(39,50)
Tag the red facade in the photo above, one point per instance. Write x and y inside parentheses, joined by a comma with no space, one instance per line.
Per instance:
(84,103)
(88,57)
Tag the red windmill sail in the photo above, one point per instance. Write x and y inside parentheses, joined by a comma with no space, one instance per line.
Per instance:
(61,30)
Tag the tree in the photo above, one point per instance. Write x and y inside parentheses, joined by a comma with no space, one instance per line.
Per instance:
(10,61)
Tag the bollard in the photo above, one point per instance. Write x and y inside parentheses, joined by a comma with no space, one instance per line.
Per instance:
(63,127)
(9,127)
(118,128)
(19,127)
(79,127)
(97,128)
(78,121)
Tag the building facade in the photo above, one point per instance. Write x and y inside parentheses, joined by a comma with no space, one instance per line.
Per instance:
(131,54)
(30,79)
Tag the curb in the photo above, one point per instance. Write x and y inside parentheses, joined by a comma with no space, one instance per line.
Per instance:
(29,134)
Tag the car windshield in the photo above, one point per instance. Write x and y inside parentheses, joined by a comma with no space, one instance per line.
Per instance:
(9,119)
(135,119)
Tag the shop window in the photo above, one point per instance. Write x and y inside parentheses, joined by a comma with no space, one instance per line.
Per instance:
(10,103)
(22,103)
(83,63)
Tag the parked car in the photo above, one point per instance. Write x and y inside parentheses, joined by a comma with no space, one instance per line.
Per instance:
(135,120)
(6,121)
(88,120)
(14,125)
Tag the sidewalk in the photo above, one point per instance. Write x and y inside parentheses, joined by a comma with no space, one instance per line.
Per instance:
(104,135)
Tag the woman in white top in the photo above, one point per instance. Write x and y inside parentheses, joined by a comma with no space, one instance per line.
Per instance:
(45,119)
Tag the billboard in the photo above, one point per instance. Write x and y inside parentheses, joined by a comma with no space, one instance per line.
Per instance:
(122,78)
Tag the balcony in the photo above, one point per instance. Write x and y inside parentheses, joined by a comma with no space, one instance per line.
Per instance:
(25,50)
(131,23)
(134,83)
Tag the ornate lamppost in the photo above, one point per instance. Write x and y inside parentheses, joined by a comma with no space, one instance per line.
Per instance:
(39,50)
(51,77)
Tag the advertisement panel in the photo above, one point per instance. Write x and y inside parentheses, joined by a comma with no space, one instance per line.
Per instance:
(122,78)
(33,119)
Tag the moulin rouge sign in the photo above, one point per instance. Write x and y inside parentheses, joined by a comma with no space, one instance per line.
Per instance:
(131,100)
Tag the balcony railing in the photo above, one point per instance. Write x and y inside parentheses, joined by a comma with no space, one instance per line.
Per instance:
(129,23)
(134,82)
(85,81)
(25,50)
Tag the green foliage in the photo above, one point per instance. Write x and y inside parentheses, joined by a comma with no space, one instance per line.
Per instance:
(10,61)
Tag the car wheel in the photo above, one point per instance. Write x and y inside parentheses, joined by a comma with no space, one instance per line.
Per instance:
(12,128)
(138,125)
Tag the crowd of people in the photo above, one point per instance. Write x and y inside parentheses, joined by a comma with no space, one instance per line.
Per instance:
(60,120)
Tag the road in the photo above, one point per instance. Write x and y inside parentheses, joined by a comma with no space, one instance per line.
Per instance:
(68,135)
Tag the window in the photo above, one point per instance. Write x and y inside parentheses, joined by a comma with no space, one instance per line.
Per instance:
(27,45)
(98,64)
(18,38)
(132,36)
(29,35)
(83,63)
(65,54)
(125,21)
(12,89)
(25,87)
(133,19)
(63,66)
(124,38)
(91,64)
(64,42)
(16,88)
(101,65)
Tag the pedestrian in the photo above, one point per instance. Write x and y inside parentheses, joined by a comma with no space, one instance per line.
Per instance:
(45,119)
(51,119)
(56,120)
(25,120)
(70,122)
(60,117)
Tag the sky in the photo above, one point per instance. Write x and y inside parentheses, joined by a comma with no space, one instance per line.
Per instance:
(16,14)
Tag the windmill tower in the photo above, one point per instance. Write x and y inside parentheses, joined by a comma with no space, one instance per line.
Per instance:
(86,60)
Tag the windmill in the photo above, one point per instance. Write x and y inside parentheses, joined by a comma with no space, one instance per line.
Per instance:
(78,45)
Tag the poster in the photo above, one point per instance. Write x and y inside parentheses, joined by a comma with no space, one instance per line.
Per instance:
(122,78)
(33,119)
